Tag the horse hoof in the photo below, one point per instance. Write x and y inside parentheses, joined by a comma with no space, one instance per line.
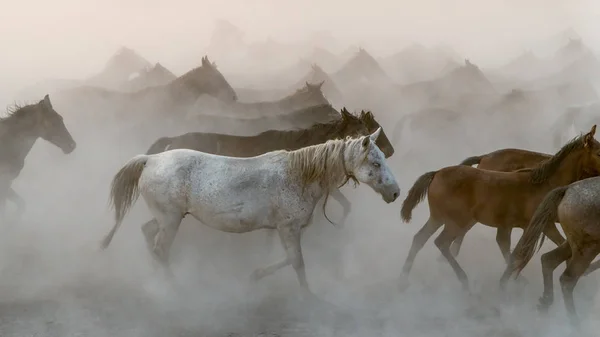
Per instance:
(256,275)
(403,284)
(521,280)
(543,305)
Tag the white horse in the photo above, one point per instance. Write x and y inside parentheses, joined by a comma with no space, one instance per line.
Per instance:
(276,190)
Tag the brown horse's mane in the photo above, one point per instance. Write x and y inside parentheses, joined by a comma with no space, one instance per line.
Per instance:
(306,134)
(546,169)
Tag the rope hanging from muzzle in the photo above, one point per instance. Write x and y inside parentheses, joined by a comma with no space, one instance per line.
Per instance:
(347,177)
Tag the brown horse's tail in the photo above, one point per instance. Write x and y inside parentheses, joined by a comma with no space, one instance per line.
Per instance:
(416,194)
(159,145)
(471,161)
(545,215)
(124,192)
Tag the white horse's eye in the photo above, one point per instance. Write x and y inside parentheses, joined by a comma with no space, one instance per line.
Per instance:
(376,164)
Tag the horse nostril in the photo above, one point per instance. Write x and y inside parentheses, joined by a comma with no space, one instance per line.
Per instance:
(395,195)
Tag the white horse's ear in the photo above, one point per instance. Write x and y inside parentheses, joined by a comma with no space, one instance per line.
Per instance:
(365,142)
(375,134)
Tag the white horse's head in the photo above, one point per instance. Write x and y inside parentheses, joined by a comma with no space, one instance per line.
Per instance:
(373,170)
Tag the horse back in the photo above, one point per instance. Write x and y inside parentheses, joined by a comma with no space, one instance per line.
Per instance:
(507,160)
(489,197)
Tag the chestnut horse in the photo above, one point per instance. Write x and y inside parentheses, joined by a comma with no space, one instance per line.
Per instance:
(503,160)
(461,196)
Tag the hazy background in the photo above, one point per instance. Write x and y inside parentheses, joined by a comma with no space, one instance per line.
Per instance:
(73,38)
(55,283)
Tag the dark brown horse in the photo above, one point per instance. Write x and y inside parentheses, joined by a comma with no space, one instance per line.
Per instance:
(301,118)
(577,208)
(504,160)
(307,96)
(18,132)
(461,196)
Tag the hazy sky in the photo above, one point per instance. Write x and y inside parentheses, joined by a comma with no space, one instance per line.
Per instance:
(73,38)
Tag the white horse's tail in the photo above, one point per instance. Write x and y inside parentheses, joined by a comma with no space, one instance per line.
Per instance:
(124,192)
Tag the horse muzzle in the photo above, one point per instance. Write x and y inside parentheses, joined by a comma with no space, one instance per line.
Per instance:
(391,194)
(69,147)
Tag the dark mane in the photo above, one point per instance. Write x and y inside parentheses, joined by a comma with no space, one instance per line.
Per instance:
(306,134)
(541,173)
(12,111)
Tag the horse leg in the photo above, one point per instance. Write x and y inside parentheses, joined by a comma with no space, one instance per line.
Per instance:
(168,224)
(503,241)
(443,242)
(550,261)
(576,266)
(270,269)
(419,240)
(553,234)
(150,229)
(19,202)
(454,247)
(290,235)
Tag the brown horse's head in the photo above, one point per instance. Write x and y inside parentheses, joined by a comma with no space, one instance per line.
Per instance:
(206,79)
(310,94)
(52,127)
(591,157)
(382,142)
(362,125)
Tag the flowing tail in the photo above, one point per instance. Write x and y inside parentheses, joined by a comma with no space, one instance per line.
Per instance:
(124,192)
(475,160)
(416,194)
(545,215)
(159,145)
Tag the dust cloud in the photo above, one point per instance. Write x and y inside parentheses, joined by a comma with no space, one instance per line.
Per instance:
(446,80)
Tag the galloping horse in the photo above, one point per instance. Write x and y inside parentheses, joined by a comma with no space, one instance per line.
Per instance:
(577,208)
(503,160)
(277,190)
(461,196)
(18,133)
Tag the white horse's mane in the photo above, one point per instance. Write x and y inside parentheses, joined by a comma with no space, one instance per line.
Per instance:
(325,163)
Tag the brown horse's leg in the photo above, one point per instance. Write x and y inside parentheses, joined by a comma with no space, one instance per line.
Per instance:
(443,242)
(419,240)
(576,266)
(554,235)
(456,244)
(550,261)
(503,241)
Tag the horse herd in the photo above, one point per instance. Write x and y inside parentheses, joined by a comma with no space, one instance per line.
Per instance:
(275,179)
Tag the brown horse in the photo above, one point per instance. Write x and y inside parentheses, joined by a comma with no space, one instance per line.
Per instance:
(307,96)
(18,133)
(503,160)
(577,208)
(461,196)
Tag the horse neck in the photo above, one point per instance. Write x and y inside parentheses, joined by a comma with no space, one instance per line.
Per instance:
(17,137)
(296,101)
(316,134)
(570,170)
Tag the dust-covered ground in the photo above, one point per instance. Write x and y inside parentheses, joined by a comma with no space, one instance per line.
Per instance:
(55,280)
